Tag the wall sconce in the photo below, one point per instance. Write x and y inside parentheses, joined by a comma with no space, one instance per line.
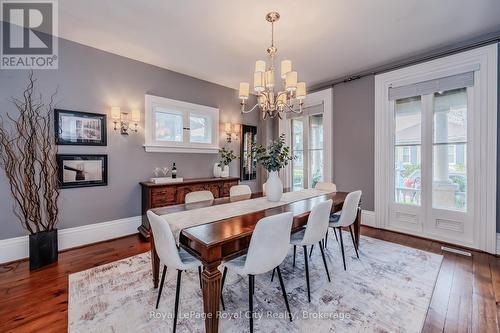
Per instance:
(231,130)
(123,119)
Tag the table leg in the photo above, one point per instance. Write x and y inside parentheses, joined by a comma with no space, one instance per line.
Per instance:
(155,262)
(211,280)
(357,227)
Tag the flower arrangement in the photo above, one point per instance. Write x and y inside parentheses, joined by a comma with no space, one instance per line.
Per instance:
(274,157)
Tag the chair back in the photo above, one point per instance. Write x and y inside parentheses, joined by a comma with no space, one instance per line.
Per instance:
(324,186)
(350,209)
(269,244)
(264,189)
(239,190)
(317,223)
(198,196)
(164,241)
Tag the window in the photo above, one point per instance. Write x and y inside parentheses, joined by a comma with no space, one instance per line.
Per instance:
(174,126)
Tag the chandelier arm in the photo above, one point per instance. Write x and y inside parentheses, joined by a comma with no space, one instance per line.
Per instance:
(248,111)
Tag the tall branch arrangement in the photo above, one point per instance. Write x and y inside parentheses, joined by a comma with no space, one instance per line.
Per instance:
(28,157)
(274,157)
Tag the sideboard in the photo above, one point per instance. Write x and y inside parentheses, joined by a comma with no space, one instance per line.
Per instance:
(160,195)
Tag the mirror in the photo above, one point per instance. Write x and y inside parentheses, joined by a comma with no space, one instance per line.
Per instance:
(248,166)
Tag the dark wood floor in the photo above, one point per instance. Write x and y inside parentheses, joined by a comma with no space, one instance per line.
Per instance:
(466,297)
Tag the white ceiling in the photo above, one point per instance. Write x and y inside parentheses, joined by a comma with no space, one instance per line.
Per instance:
(219,40)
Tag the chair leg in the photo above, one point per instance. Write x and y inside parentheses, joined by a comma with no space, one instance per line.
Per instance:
(222,288)
(311,251)
(177,290)
(324,261)
(161,285)
(294,251)
(326,238)
(250,300)
(284,293)
(199,277)
(307,274)
(342,247)
(272,276)
(353,241)
(335,233)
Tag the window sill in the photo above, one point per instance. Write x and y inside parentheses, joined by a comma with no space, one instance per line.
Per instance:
(193,150)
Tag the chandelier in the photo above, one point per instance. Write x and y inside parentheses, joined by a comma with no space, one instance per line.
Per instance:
(272,101)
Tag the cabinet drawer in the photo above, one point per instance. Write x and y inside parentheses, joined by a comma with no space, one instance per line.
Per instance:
(162,196)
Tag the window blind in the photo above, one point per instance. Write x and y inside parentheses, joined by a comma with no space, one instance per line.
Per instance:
(429,87)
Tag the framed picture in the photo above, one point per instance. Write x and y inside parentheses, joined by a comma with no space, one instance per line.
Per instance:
(79,128)
(82,170)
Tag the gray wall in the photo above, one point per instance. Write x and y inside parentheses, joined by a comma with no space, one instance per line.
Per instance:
(92,80)
(353,137)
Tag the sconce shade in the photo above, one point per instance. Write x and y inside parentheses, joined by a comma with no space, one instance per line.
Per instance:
(115,112)
(227,127)
(136,115)
(236,129)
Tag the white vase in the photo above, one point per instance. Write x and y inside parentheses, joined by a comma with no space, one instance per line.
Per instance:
(217,170)
(224,171)
(274,187)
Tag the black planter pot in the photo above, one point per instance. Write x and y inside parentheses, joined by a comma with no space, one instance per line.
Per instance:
(43,248)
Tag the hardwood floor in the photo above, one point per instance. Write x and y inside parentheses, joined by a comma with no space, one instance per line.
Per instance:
(466,297)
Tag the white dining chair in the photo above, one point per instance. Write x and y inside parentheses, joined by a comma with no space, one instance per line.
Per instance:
(198,196)
(313,233)
(239,190)
(267,250)
(325,186)
(170,256)
(346,219)
(264,189)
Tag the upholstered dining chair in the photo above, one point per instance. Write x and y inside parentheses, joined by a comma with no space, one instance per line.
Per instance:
(170,256)
(346,219)
(198,196)
(239,190)
(267,250)
(325,186)
(313,233)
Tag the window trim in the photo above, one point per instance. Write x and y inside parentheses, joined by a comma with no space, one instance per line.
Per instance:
(156,146)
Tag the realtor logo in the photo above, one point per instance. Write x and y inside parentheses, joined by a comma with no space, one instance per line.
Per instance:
(28,34)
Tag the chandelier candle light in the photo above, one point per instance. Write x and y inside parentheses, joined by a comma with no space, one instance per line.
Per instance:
(274,104)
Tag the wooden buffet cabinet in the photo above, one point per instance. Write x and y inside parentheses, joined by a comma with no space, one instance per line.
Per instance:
(161,195)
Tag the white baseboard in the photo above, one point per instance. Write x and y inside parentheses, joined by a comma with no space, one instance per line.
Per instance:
(18,248)
(368,218)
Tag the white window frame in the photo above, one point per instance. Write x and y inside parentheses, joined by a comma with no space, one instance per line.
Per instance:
(186,109)
(316,98)
(486,60)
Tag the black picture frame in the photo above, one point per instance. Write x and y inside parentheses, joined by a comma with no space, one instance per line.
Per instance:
(98,174)
(77,139)
(248,168)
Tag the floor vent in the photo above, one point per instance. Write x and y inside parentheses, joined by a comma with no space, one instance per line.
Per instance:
(449,249)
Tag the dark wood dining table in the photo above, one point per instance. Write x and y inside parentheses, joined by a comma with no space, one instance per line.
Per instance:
(225,239)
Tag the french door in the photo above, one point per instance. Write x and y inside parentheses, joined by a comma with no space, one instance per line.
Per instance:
(435,149)
(432,184)
(308,135)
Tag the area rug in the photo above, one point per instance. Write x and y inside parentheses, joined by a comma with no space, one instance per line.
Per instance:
(387,290)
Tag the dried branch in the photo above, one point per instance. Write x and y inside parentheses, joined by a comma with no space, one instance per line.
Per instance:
(28,157)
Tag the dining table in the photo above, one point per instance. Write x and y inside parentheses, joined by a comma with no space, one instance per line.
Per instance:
(224,239)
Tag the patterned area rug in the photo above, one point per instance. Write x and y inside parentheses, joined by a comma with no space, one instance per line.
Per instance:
(387,290)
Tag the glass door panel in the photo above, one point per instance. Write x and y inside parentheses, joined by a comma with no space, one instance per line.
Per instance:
(298,151)
(449,182)
(315,149)
(407,151)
